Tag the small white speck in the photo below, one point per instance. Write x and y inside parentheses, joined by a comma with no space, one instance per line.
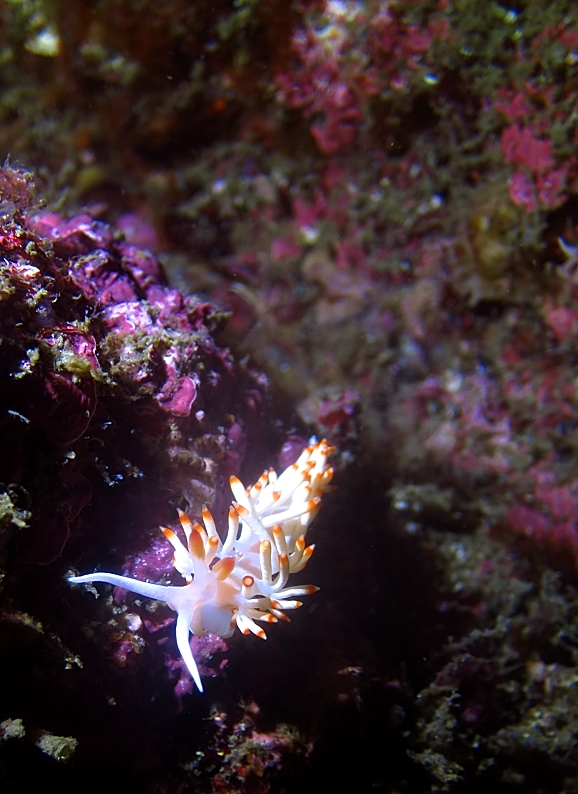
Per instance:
(453,381)
(133,622)
(310,234)
(45,43)
(460,552)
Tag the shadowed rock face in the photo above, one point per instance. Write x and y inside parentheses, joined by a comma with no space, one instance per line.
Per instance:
(112,387)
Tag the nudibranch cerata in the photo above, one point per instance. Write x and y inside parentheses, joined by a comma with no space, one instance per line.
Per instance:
(244,578)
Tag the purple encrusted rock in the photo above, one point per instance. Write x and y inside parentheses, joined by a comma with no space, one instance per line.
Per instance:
(116,403)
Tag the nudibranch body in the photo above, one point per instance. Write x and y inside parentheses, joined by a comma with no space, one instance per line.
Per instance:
(242,579)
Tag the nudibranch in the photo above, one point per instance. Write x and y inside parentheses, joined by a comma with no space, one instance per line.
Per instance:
(244,578)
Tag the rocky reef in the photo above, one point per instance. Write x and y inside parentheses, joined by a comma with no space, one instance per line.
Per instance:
(118,406)
(375,205)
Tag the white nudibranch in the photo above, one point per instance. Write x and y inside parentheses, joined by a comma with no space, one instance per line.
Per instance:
(242,579)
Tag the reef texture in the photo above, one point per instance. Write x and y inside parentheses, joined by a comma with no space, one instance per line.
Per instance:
(384,198)
(117,406)
(107,374)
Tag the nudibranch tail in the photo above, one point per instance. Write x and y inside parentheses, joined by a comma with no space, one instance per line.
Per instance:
(243,579)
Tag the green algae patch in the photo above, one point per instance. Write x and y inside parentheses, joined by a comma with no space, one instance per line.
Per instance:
(61,748)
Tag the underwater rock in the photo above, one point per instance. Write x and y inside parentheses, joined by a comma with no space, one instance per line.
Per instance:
(109,380)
